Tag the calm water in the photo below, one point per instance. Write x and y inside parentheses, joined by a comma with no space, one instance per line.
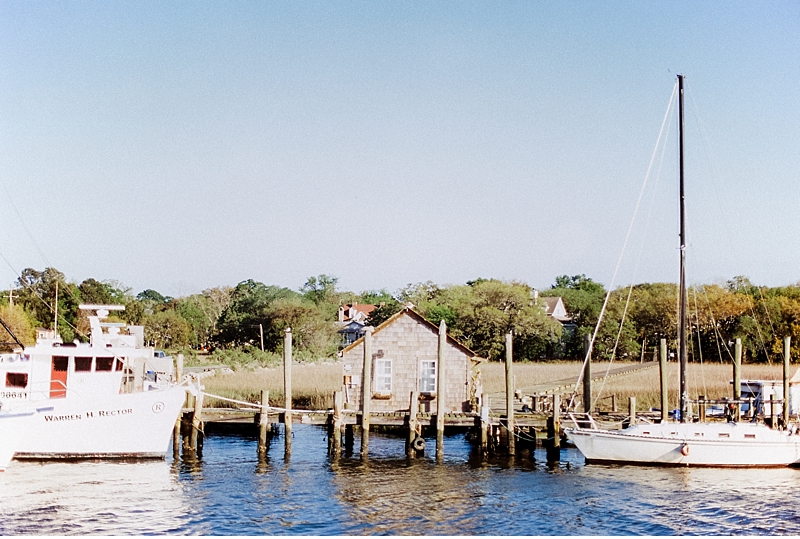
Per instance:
(230,493)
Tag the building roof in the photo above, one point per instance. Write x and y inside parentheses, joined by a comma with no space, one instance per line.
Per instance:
(407,311)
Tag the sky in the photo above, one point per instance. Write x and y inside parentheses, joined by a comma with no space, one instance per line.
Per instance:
(179,146)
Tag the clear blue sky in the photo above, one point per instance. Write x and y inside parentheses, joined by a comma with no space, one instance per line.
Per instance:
(185,145)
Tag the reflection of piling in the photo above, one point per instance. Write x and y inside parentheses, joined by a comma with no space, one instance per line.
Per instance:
(263,424)
(662,367)
(737,380)
(554,431)
(287,389)
(440,390)
(512,447)
(366,394)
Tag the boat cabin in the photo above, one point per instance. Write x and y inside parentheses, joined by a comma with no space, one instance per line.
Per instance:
(763,392)
(114,361)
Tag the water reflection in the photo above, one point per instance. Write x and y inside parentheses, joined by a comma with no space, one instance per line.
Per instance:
(231,491)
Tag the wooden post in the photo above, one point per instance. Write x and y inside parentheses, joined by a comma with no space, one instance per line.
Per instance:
(632,410)
(587,374)
(662,366)
(287,389)
(366,393)
(614,402)
(176,432)
(263,423)
(441,390)
(554,431)
(737,380)
(197,423)
(335,432)
(787,347)
(413,408)
(701,402)
(512,446)
(485,426)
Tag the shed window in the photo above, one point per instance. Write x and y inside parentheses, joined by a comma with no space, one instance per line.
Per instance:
(427,376)
(16,379)
(383,375)
(83,364)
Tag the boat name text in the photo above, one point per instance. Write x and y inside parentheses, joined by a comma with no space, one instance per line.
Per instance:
(89,415)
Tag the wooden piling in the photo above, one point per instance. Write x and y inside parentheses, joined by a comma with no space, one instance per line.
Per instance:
(366,393)
(701,403)
(737,380)
(195,441)
(413,408)
(554,431)
(263,423)
(662,366)
(632,410)
(441,393)
(587,374)
(512,446)
(484,425)
(787,347)
(176,432)
(335,429)
(287,389)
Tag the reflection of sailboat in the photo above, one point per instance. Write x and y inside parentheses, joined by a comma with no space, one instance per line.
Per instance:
(688,444)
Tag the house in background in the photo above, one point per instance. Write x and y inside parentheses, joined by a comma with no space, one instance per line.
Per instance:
(405,359)
(352,319)
(554,308)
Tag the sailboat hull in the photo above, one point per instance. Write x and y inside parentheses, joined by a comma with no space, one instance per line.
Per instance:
(690,444)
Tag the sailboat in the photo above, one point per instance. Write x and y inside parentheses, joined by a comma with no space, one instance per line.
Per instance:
(731,444)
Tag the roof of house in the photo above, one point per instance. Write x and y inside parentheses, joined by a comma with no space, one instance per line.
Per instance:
(551,308)
(407,311)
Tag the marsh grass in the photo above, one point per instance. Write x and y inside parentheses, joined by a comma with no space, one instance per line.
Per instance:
(313,384)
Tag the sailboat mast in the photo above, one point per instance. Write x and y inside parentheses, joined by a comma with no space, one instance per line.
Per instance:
(682,349)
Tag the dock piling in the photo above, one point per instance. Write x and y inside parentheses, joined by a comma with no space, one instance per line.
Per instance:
(787,347)
(662,366)
(263,423)
(512,447)
(366,396)
(413,428)
(737,380)
(554,431)
(287,389)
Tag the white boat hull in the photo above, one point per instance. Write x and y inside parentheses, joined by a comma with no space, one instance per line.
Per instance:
(126,425)
(14,427)
(690,444)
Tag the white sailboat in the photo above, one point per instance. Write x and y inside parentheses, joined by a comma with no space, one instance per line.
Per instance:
(109,398)
(731,444)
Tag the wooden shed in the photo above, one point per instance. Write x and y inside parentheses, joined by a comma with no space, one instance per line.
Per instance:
(405,359)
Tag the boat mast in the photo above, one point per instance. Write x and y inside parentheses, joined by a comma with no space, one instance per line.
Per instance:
(682,349)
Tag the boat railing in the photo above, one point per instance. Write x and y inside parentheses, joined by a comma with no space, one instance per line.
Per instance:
(583,420)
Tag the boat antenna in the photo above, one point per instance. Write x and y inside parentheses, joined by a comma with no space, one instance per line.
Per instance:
(682,350)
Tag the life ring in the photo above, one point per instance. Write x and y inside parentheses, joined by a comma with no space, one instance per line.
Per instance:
(685,450)
(418,444)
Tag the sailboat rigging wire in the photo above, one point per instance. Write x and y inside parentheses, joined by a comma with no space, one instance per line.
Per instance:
(636,268)
(627,237)
(699,344)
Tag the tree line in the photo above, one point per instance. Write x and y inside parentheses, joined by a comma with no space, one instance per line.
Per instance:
(252,316)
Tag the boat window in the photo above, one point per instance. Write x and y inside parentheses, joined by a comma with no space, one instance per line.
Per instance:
(120,364)
(60,363)
(645,432)
(16,379)
(724,435)
(83,364)
(750,436)
(104,364)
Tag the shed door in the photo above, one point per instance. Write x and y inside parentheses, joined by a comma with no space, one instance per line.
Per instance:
(58,377)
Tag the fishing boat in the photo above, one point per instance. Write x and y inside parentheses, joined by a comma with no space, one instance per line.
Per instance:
(684,443)
(112,397)
(14,426)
